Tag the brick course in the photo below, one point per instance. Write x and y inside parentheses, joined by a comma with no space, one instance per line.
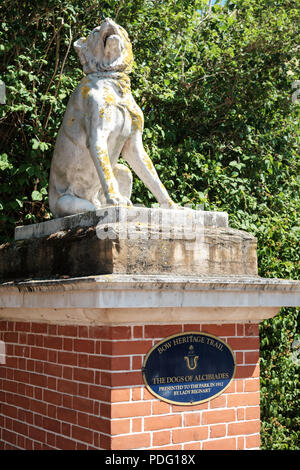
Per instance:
(80,387)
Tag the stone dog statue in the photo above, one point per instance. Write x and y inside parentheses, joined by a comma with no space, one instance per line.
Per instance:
(101,122)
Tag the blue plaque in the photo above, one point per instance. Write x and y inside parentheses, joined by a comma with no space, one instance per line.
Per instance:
(188,368)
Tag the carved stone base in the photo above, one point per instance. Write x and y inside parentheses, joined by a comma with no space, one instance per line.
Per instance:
(140,241)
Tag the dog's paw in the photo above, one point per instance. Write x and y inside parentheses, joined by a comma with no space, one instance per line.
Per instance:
(119,201)
(169,205)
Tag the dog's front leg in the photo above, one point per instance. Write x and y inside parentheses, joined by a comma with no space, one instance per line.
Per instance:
(97,143)
(135,154)
(99,153)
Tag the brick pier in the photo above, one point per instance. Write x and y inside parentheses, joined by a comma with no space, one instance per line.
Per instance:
(80,387)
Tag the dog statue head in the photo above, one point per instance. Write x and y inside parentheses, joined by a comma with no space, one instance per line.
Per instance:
(106,49)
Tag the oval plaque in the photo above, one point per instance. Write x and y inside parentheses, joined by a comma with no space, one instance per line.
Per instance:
(188,368)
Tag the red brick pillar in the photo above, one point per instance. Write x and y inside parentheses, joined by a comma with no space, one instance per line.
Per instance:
(81,387)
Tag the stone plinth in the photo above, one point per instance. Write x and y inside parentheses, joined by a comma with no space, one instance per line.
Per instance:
(95,293)
(125,216)
(121,240)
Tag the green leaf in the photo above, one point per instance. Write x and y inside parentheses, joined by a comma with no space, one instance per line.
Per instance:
(36,196)
(35,144)
(4,163)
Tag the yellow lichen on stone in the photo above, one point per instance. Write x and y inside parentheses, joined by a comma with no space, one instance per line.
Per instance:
(137,122)
(149,164)
(104,161)
(109,97)
(127,51)
(111,189)
(108,115)
(135,113)
(107,173)
(124,84)
(85,89)
(103,155)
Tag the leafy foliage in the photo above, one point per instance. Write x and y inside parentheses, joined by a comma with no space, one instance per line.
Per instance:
(215,85)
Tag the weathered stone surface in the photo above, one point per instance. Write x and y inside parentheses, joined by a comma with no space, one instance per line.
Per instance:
(147,299)
(132,247)
(174,219)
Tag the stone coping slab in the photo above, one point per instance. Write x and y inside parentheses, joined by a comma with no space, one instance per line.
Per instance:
(125,299)
(110,280)
(289,290)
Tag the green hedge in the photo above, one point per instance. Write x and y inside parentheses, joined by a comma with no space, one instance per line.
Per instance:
(215,84)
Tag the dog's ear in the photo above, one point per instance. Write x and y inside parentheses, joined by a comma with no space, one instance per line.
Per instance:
(82,52)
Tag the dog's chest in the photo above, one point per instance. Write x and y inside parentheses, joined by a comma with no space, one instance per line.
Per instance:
(121,105)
